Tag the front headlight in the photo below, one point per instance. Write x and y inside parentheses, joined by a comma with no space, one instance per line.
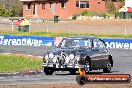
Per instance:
(71,56)
(77,58)
(55,59)
(67,59)
(46,57)
(51,55)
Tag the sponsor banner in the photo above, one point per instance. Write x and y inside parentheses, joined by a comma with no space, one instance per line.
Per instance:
(26,40)
(118,43)
(110,43)
(82,78)
(51,41)
(103,78)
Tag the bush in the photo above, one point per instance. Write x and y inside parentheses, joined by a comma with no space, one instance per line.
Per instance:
(75,16)
(85,13)
(1,10)
(116,13)
(88,13)
(105,15)
(101,14)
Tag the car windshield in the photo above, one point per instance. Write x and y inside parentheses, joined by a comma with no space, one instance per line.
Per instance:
(76,43)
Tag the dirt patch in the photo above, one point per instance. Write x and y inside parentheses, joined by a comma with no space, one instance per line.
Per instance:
(68,86)
(113,27)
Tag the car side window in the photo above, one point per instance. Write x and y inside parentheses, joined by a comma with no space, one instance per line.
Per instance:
(98,44)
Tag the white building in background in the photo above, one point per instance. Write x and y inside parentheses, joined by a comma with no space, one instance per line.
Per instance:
(128,3)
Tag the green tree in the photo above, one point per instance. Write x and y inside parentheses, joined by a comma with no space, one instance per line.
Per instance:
(16,8)
(109,6)
(10,8)
(1,10)
(122,3)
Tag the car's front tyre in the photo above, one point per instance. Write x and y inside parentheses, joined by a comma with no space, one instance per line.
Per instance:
(48,70)
(72,72)
(81,79)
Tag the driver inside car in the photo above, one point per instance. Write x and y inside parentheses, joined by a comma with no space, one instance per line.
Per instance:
(76,43)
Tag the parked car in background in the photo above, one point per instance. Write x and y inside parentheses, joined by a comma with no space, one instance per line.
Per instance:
(77,52)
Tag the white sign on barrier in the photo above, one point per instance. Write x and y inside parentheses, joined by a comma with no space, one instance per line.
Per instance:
(119,45)
(29,41)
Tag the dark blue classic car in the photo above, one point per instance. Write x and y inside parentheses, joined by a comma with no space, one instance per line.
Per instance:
(73,53)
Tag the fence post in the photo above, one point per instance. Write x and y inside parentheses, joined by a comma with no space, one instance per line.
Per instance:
(12,25)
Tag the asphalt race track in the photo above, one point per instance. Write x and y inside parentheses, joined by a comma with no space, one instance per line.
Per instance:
(122,65)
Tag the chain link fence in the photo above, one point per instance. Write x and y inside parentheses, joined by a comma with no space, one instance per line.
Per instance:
(100,26)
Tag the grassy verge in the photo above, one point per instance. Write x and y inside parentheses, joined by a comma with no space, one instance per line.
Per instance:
(13,63)
(62,34)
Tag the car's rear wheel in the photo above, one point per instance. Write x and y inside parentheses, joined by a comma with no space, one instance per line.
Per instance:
(48,71)
(108,68)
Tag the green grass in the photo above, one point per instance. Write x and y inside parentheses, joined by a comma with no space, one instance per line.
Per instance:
(13,63)
(62,34)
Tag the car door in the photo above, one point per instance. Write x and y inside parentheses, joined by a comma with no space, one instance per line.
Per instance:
(99,57)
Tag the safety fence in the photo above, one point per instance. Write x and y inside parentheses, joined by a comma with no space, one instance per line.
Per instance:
(94,26)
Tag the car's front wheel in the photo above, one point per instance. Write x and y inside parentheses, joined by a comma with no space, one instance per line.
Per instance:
(48,71)
(81,79)
(73,71)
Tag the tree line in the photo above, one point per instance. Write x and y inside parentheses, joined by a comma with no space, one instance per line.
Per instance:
(10,8)
(110,7)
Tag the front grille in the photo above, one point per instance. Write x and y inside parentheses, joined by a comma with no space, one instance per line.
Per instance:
(81,61)
(61,58)
(61,61)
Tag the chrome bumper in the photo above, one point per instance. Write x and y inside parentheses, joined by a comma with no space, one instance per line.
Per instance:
(62,66)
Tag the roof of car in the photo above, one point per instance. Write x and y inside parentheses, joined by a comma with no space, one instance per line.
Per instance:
(82,37)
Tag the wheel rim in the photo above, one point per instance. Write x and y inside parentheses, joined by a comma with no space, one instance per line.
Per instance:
(109,66)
